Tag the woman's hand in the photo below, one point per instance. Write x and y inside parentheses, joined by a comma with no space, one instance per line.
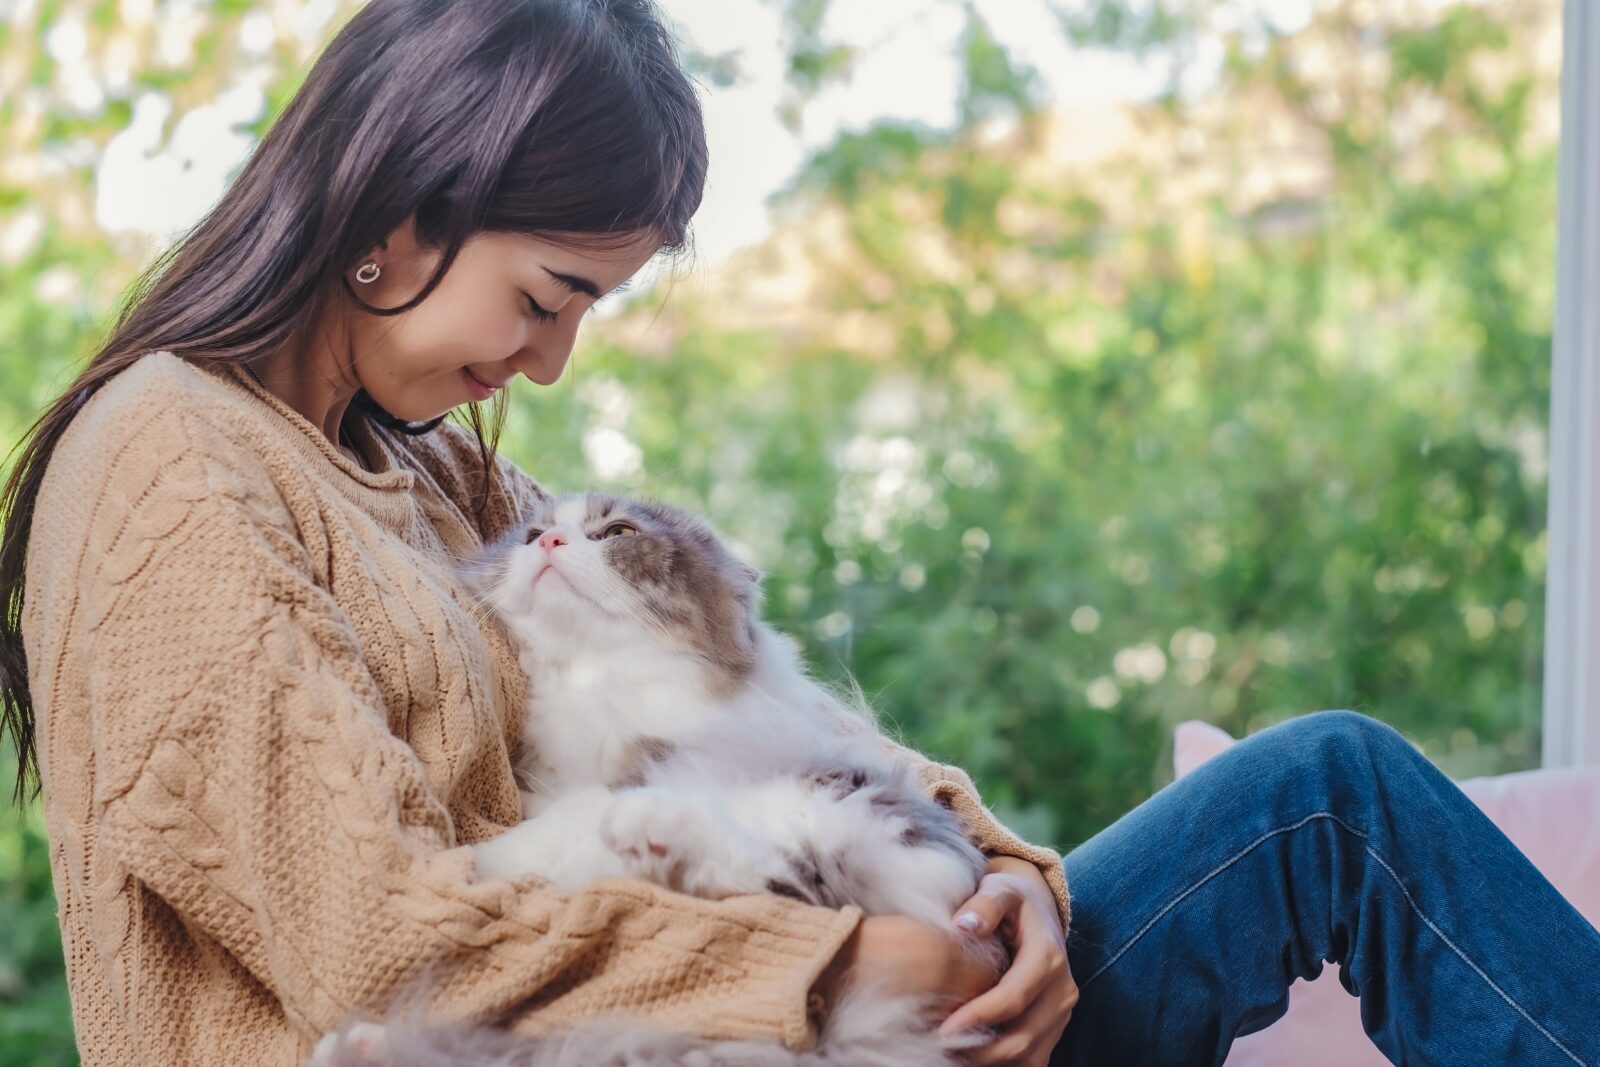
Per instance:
(1032,1002)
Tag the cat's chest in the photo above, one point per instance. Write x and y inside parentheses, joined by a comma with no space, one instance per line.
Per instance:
(588,715)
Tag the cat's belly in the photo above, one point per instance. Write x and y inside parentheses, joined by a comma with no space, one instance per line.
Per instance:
(597,743)
(577,761)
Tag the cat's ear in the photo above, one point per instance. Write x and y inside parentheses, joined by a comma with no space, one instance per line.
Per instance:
(751,574)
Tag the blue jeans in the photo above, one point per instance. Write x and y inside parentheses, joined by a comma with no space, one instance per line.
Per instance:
(1327,837)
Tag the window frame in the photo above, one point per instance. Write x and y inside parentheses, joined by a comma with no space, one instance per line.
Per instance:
(1571,699)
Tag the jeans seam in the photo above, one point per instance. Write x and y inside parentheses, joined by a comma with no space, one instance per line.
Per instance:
(1410,901)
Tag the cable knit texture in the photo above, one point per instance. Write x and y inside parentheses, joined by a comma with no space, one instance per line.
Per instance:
(271,723)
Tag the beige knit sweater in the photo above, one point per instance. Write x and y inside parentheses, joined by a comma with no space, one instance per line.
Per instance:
(270,724)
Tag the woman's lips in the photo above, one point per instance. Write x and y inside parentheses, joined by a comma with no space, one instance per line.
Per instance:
(481,390)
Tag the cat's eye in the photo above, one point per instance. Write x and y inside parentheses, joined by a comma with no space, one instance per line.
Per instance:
(533,535)
(618,529)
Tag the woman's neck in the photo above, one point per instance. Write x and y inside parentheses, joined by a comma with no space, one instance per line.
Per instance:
(311,378)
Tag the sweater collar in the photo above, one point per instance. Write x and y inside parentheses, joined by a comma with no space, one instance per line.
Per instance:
(382,492)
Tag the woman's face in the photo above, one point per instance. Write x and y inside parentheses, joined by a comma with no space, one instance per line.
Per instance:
(477,330)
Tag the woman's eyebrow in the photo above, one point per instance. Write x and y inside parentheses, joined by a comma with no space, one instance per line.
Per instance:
(579,284)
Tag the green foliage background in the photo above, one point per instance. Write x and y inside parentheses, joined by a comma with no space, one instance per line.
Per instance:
(1049,456)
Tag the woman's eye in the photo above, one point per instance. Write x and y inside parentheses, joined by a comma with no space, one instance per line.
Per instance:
(533,535)
(538,312)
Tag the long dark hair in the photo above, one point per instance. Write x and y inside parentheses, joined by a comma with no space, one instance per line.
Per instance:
(572,120)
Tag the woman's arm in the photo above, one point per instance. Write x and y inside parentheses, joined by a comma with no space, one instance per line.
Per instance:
(246,773)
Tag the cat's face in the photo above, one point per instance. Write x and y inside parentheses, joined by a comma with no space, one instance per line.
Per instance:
(594,570)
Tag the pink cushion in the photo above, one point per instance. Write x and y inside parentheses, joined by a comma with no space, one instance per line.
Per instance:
(1549,814)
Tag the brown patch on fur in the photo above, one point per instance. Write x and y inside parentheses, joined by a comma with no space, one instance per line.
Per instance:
(691,585)
(640,756)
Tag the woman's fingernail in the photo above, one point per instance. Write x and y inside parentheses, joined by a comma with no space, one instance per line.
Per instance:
(964,1036)
(969,921)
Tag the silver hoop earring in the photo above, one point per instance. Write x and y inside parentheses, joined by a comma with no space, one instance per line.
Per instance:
(368,273)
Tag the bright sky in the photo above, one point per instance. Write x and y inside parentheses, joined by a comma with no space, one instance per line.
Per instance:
(906,69)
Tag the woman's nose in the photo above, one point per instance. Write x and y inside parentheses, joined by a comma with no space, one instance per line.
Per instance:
(550,539)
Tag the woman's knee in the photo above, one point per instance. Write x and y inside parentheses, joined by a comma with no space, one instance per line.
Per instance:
(1345,737)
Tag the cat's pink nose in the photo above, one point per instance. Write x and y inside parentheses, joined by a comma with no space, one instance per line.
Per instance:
(550,539)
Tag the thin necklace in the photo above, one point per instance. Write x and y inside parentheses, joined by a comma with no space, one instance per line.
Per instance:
(344,438)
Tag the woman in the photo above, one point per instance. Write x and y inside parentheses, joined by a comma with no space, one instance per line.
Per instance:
(267,724)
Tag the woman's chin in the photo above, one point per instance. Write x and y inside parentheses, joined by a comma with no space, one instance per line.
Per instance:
(415,409)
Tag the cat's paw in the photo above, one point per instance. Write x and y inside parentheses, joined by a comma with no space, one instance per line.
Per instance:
(674,841)
(358,1045)
(654,833)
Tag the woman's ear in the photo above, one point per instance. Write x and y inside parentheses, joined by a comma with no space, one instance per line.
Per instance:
(399,256)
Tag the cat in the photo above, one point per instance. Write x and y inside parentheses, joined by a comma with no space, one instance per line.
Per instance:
(670,734)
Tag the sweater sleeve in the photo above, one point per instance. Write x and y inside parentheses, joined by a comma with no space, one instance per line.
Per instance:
(247,774)
(951,786)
